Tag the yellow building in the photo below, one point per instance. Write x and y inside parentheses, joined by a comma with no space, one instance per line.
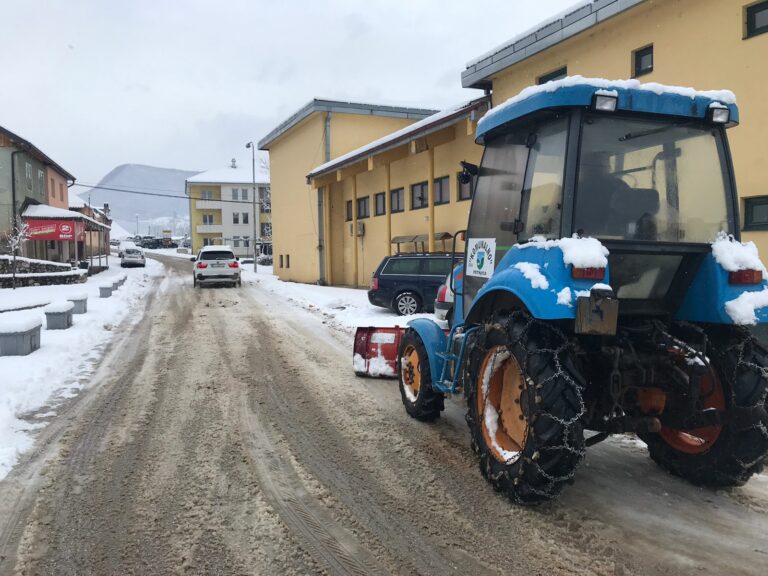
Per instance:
(221,208)
(706,44)
(320,131)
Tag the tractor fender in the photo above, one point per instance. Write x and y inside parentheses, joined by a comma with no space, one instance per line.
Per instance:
(435,342)
(539,293)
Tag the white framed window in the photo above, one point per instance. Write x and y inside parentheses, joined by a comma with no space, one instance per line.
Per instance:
(236,241)
(234,194)
(207,218)
(235,218)
(245,193)
(245,217)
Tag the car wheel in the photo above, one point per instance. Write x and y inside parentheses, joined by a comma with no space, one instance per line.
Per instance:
(407,303)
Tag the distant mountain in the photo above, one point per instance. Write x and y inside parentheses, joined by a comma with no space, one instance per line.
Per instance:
(155,213)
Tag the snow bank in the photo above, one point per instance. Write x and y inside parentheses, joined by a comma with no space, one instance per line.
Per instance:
(734,256)
(77,296)
(33,261)
(579,252)
(533,273)
(742,309)
(724,96)
(59,307)
(68,272)
(14,325)
(64,363)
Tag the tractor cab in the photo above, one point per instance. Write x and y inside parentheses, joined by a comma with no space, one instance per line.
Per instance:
(645,170)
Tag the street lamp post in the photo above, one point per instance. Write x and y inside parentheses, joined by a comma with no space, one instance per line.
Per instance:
(256,215)
(137,223)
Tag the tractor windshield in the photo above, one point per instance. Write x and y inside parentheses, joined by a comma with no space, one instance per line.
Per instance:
(651,180)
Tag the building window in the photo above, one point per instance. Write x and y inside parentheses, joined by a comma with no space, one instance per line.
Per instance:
(244,193)
(348,216)
(643,60)
(264,199)
(756,213)
(234,194)
(281,260)
(380,201)
(52,191)
(245,217)
(419,197)
(236,241)
(266,230)
(363,209)
(206,195)
(207,218)
(757,19)
(61,191)
(442,192)
(28,173)
(207,241)
(247,241)
(287,260)
(396,200)
(466,190)
(235,218)
(554,75)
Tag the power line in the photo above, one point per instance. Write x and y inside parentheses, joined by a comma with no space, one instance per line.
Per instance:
(184,197)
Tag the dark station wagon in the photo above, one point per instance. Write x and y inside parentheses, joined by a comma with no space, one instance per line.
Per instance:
(408,283)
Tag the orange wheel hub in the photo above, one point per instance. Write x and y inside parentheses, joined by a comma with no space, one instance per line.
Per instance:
(499,400)
(410,369)
(699,440)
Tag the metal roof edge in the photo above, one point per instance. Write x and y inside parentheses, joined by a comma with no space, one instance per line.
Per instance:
(344,107)
(549,33)
(27,146)
(364,151)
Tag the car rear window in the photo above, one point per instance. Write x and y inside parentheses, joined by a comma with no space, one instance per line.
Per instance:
(132,251)
(438,266)
(217,255)
(402,266)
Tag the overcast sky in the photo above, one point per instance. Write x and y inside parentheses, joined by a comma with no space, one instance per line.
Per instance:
(186,83)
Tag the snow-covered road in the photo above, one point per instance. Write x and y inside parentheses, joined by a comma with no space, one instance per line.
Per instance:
(225,433)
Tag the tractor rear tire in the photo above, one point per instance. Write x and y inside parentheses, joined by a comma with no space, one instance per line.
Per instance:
(524,407)
(730,454)
(421,401)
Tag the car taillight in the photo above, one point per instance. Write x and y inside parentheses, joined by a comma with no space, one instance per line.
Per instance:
(202,265)
(441,293)
(233,265)
(588,273)
(374,283)
(745,277)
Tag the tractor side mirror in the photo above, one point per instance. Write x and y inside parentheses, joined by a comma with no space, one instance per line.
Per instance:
(468,171)
(192,259)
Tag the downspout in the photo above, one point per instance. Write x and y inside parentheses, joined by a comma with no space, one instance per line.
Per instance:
(321,208)
(13,183)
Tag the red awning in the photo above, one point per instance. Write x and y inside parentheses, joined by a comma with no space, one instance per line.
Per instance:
(66,230)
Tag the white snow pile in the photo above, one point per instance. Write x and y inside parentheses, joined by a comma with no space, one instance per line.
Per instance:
(742,309)
(733,255)
(577,251)
(533,273)
(33,261)
(59,307)
(77,296)
(33,387)
(564,297)
(377,366)
(724,96)
(490,415)
(16,324)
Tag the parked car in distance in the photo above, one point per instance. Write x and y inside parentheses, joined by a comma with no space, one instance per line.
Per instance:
(408,282)
(123,245)
(216,265)
(132,256)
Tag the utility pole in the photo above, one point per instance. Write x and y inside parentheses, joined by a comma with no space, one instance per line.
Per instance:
(256,215)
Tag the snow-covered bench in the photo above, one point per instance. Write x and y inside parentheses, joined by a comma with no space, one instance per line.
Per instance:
(58,315)
(80,300)
(19,336)
(105,290)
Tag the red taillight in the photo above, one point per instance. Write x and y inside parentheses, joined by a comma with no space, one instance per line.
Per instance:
(745,277)
(441,293)
(233,264)
(374,283)
(588,273)
(202,265)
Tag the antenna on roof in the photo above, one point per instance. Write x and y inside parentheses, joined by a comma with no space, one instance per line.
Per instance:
(234,163)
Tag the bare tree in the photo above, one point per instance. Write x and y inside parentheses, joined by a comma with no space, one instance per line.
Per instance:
(18,234)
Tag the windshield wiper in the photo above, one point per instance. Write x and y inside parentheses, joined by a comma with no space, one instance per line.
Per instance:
(633,135)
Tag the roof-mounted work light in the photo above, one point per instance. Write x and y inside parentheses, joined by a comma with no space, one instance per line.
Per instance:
(719,114)
(605,101)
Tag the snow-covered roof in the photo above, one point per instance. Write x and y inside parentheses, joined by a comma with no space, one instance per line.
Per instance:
(342,107)
(45,212)
(428,125)
(229,175)
(651,98)
(571,21)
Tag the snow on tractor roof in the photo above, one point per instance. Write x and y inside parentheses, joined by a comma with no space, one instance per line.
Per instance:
(575,91)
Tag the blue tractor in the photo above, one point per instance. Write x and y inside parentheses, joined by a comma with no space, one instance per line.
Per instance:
(604,288)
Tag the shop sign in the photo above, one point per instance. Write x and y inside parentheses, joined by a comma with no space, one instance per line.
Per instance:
(63,230)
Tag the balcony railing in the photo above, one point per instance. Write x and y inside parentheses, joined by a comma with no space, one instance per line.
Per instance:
(209,228)
(208,204)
